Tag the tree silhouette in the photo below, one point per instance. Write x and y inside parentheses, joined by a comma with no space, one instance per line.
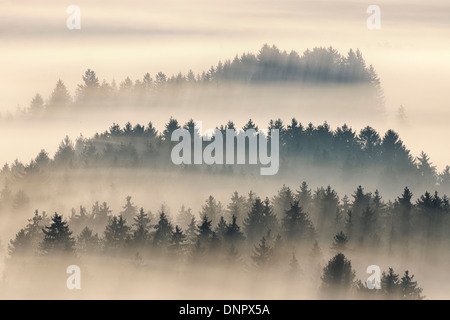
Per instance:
(409,288)
(37,105)
(178,237)
(296,224)
(87,242)
(390,284)
(60,97)
(233,232)
(116,233)
(141,233)
(57,237)
(338,277)
(204,230)
(212,209)
(129,209)
(163,231)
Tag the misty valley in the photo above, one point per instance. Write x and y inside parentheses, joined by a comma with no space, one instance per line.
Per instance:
(151,207)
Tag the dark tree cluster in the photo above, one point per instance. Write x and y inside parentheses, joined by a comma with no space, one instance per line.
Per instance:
(339,281)
(352,153)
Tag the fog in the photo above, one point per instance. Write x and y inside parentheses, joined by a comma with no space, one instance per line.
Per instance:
(409,55)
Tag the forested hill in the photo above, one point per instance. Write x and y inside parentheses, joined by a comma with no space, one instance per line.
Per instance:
(271,66)
(344,150)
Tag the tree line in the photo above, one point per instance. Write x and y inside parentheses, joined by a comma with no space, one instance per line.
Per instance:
(271,65)
(142,146)
(286,232)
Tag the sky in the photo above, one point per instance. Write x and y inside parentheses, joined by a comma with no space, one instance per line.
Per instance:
(411,51)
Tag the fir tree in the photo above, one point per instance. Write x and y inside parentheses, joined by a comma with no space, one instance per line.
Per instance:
(262,255)
(141,233)
(163,231)
(57,237)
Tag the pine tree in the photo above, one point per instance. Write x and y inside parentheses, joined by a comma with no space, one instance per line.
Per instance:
(221,228)
(426,169)
(282,201)
(254,223)
(57,237)
(28,240)
(237,207)
(163,231)
(390,284)
(184,217)
(37,105)
(65,155)
(204,231)
(262,255)
(170,127)
(129,209)
(296,224)
(88,91)
(87,242)
(141,233)
(409,288)
(116,233)
(191,231)
(60,97)
(303,196)
(178,237)
(338,277)
(212,209)
(233,232)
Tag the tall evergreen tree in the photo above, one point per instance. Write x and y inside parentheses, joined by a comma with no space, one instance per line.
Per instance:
(297,225)
(141,233)
(262,255)
(409,288)
(178,237)
(338,277)
(57,237)
(129,209)
(204,230)
(116,233)
(163,231)
(233,232)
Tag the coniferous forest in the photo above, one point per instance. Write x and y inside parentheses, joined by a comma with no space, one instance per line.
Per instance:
(138,225)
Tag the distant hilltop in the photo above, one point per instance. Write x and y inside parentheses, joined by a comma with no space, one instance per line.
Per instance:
(270,66)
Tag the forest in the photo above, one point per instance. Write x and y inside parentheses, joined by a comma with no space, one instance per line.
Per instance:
(140,226)
(270,67)
(286,235)
(343,151)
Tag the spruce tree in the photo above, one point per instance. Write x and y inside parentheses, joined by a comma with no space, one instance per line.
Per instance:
(204,231)
(390,284)
(178,237)
(129,209)
(57,237)
(233,232)
(116,233)
(296,224)
(163,231)
(262,255)
(141,233)
(338,277)
(87,241)
(409,288)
